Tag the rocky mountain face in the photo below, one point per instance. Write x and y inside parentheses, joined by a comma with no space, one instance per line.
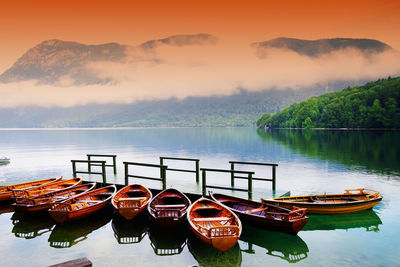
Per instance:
(182,40)
(315,48)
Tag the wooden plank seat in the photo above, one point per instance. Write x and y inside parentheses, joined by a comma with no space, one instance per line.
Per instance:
(206,208)
(131,198)
(256,210)
(88,201)
(174,206)
(211,219)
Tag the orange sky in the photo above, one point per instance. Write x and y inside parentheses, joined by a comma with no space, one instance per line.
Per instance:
(24,24)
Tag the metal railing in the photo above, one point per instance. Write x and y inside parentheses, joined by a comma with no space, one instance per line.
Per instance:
(249,189)
(101,163)
(113,165)
(196,170)
(273,179)
(163,169)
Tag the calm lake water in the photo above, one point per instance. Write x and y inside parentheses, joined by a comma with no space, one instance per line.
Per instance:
(309,162)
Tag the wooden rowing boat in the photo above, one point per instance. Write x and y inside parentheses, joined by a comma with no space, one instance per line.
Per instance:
(214,224)
(169,207)
(82,205)
(263,215)
(43,202)
(40,190)
(131,200)
(6,191)
(361,199)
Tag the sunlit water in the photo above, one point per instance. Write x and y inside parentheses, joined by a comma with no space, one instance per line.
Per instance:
(309,162)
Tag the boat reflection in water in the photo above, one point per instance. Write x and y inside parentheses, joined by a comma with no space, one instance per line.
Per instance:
(167,242)
(367,219)
(130,232)
(6,208)
(287,247)
(31,226)
(208,256)
(70,234)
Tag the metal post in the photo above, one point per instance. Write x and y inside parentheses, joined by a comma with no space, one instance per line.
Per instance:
(115,164)
(161,161)
(274,178)
(126,174)
(89,165)
(103,170)
(197,171)
(204,183)
(74,169)
(232,174)
(163,177)
(250,185)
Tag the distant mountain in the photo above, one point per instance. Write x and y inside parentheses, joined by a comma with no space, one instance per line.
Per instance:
(315,48)
(53,59)
(182,40)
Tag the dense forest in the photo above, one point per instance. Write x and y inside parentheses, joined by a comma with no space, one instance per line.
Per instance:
(373,105)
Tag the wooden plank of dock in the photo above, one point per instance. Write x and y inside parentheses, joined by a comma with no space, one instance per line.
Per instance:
(81,262)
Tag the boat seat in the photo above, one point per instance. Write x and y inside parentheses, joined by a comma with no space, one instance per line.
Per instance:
(89,201)
(255,210)
(169,206)
(207,208)
(131,198)
(211,219)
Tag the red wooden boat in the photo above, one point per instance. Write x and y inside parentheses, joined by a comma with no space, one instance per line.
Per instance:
(82,205)
(6,191)
(214,224)
(40,190)
(265,215)
(169,207)
(42,203)
(131,200)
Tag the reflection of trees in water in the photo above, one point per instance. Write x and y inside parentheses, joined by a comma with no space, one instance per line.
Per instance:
(132,231)
(30,226)
(376,151)
(70,234)
(367,219)
(208,256)
(167,242)
(287,247)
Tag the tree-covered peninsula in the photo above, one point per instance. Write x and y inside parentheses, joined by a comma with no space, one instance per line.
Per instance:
(373,105)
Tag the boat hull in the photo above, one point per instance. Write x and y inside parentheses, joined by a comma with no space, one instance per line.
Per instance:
(62,217)
(131,200)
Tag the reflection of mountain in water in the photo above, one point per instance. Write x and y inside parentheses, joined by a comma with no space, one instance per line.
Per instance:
(367,219)
(32,226)
(129,232)
(167,242)
(209,256)
(287,247)
(72,233)
(375,151)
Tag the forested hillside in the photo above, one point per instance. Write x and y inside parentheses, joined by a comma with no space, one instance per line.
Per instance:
(373,105)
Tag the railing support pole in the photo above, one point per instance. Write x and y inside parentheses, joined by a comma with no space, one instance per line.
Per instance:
(197,171)
(204,183)
(126,174)
(250,185)
(232,174)
(74,169)
(273,178)
(89,165)
(115,164)
(163,177)
(103,170)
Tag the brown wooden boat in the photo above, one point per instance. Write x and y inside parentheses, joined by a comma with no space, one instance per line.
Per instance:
(40,190)
(214,224)
(82,205)
(43,202)
(361,199)
(6,191)
(131,200)
(265,215)
(169,207)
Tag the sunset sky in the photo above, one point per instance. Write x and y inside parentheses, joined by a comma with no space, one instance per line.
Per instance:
(27,23)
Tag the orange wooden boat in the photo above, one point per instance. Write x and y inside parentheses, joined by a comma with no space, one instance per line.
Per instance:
(131,200)
(266,216)
(214,224)
(361,199)
(82,205)
(169,207)
(43,202)
(40,190)
(6,191)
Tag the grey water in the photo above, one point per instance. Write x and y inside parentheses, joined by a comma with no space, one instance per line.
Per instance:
(309,162)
